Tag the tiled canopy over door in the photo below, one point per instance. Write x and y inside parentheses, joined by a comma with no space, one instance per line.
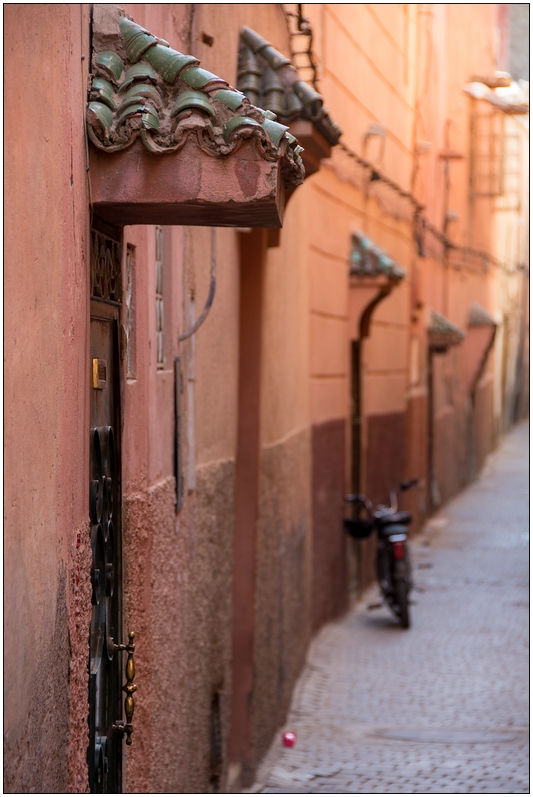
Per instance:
(172,143)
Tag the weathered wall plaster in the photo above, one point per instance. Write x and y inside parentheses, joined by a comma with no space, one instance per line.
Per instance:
(283,623)
(46,394)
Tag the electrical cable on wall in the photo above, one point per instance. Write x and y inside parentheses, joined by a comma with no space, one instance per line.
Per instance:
(211,295)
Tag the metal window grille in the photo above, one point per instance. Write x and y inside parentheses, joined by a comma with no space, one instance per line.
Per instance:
(487,153)
(512,172)
(106,265)
(159,296)
(495,160)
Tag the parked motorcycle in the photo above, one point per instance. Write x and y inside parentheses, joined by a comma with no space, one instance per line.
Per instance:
(392,560)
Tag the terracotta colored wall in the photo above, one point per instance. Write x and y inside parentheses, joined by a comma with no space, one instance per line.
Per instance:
(416,455)
(386,454)
(453,50)
(330,573)
(283,585)
(510,237)
(483,420)
(46,550)
(247,490)
(403,67)
(366,59)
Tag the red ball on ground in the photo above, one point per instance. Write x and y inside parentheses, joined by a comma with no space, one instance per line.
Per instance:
(289,739)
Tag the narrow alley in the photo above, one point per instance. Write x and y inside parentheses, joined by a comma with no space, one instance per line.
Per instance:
(443,707)
(258,256)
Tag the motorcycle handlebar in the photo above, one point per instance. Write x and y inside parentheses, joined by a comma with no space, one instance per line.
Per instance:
(362,499)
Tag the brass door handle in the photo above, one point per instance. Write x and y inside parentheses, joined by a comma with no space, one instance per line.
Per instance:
(129,688)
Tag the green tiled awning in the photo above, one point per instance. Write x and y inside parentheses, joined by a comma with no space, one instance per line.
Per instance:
(367,259)
(143,89)
(270,81)
(443,333)
(479,317)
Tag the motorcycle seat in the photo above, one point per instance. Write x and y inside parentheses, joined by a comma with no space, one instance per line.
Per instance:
(394,528)
(398,517)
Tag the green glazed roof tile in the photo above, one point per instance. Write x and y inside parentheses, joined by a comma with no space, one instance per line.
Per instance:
(274,130)
(199,78)
(293,107)
(150,118)
(254,41)
(169,63)
(104,91)
(99,114)
(136,39)
(132,99)
(236,122)
(259,45)
(232,99)
(192,100)
(274,58)
(310,99)
(141,71)
(110,63)
(248,63)
(143,90)
(130,109)
(271,81)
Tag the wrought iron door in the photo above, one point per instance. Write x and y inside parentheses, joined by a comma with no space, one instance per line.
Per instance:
(105,670)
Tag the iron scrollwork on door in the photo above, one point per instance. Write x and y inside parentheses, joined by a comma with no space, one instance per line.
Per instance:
(106,727)
(104,614)
(102,542)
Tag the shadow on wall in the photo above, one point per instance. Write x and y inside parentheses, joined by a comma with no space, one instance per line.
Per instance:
(330,588)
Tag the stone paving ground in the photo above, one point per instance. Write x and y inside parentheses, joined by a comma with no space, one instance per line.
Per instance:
(444,706)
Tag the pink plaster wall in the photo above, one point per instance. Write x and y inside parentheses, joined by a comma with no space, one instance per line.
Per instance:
(46,556)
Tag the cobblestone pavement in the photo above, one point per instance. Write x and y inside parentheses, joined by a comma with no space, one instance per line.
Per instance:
(442,707)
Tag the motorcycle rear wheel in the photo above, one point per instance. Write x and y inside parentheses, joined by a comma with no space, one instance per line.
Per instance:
(401,589)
